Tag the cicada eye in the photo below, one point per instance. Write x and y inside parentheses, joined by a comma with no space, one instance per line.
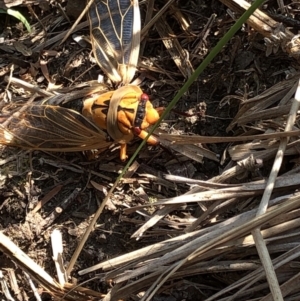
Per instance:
(136,130)
(144,97)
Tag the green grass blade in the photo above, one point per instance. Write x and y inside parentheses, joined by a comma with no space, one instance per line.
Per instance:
(231,32)
(18,16)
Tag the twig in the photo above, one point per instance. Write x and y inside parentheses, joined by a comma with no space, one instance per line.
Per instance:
(62,206)
(218,241)
(24,261)
(33,288)
(57,250)
(186,139)
(77,21)
(4,288)
(47,198)
(14,283)
(90,227)
(256,275)
(155,18)
(260,243)
(180,57)
(58,37)
(174,248)
(29,87)
(247,189)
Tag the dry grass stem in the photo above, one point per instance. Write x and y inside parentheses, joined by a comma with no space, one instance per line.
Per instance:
(213,213)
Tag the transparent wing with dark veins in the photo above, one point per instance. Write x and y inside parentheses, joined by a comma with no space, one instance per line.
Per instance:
(52,128)
(115,35)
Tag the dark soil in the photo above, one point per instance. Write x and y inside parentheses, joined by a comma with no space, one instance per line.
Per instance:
(241,69)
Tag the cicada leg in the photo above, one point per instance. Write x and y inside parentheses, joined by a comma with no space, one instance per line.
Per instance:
(123,152)
(143,134)
(160,110)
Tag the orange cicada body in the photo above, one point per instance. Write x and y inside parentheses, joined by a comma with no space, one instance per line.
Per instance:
(121,114)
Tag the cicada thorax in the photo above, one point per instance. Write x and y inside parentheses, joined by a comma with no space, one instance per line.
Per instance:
(124,113)
(96,108)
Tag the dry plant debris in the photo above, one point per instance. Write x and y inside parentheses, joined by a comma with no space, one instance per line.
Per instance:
(213,216)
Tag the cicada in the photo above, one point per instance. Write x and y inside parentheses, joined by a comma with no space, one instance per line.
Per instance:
(121,114)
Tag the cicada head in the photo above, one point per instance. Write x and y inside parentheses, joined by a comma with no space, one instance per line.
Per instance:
(146,113)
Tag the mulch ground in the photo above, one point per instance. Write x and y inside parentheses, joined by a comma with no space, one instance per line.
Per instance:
(43,191)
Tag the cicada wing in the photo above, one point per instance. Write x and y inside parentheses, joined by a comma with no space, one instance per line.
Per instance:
(115,27)
(52,128)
